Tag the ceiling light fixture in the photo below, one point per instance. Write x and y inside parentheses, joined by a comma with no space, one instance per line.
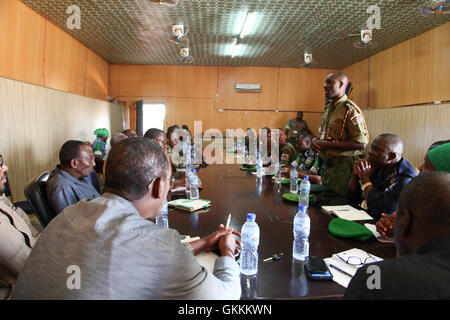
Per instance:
(248,24)
(233,47)
(236,50)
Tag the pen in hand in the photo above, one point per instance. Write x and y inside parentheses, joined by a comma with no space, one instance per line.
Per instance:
(227,225)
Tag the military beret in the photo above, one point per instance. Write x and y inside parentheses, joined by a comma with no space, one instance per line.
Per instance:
(349,229)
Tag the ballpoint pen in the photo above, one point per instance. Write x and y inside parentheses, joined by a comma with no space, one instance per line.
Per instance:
(340,270)
(228,222)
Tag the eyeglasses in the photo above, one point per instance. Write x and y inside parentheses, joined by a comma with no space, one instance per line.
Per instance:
(357,261)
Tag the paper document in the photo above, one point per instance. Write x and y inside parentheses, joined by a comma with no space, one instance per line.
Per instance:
(179,189)
(189,205)
(205,259)
(344,265)
(347,212)
(378,236)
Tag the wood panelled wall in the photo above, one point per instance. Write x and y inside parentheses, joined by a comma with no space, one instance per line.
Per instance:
(414,72)
(418,126)
(36,121)
(34,50)
(391,84)
(208,94)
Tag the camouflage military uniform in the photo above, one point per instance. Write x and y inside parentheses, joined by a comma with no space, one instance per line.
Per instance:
(341,122)
(288,154)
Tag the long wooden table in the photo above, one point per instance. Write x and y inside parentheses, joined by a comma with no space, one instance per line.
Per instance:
(238,192)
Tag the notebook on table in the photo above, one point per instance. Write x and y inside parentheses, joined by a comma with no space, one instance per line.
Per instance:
(343,265)
(347,212)
(206,259)
(189,205)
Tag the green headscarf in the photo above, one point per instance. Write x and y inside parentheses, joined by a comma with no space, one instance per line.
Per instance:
(102,132)
(440,157)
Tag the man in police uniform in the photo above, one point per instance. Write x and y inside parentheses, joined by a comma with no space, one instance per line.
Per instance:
(297,127)
(343,134)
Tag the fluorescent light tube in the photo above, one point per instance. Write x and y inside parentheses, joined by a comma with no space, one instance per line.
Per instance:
(248,24)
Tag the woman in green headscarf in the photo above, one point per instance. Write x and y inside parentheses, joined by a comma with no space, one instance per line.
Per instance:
(99,144)
(437,159)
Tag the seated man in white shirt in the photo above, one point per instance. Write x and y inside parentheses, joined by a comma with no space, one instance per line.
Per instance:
(118,252)
(17,238)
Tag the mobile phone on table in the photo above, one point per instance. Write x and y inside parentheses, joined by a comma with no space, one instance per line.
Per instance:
(316,269)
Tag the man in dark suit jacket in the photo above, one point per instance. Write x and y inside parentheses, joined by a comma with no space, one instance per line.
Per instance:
(380,178)
(422,238)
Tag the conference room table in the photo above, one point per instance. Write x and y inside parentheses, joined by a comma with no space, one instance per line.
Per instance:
(239,192)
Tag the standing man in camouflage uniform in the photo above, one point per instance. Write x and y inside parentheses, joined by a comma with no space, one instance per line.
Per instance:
(343,134)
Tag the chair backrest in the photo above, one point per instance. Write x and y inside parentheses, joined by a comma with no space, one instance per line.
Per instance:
(35,192)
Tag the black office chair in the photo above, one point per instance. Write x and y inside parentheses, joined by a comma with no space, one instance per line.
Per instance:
(37,197)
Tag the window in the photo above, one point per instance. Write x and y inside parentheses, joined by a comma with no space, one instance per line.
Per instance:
(153,115)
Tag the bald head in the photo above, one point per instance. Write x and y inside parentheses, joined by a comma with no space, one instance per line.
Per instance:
(386,150)
(423,211)
(394,142)
(339,76)
(335,85)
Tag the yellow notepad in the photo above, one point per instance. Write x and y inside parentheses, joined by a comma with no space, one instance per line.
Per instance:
(189,205)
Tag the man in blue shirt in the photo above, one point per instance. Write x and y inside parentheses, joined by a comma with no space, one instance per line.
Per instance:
(69,182)
(380,178)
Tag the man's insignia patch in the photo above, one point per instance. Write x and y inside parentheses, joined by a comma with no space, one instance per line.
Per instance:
(357,118)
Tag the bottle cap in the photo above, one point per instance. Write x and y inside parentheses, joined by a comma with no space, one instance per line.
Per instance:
(251,216)
(301,207)
(194,171)
(294,167)
(305,177)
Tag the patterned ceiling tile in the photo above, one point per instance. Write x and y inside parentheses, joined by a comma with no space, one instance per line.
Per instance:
(137,31)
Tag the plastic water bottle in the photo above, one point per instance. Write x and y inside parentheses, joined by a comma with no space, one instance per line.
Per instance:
(294,180)
(302,227)
(186,152)
(305,188)
(277,178)
(250,242)
(259,166)
(162,219)
(193,155)
(194,185)
(188,175)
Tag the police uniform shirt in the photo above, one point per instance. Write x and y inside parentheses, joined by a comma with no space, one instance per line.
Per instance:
(343,121)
